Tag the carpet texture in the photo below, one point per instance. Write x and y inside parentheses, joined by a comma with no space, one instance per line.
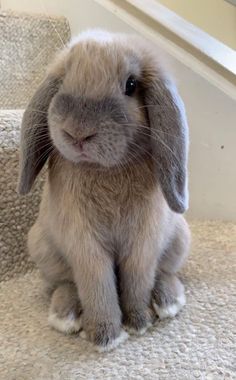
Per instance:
(17,213)
(198,344)
(27,44)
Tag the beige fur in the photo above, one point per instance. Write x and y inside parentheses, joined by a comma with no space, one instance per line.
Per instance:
(105,222)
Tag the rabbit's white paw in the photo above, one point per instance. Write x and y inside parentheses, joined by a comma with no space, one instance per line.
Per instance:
(170,311)
(68,325)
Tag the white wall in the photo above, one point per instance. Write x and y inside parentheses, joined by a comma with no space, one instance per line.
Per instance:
(211,112)
(216,17)
(212,163)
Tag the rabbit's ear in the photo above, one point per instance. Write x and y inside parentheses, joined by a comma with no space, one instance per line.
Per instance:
(35,145)
(169,138)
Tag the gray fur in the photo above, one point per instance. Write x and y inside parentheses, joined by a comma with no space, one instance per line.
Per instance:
(65,301)
(169,125)
(110,203)
(167,285)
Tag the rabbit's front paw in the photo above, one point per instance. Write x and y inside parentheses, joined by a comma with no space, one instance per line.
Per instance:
(104,335)
(137,322)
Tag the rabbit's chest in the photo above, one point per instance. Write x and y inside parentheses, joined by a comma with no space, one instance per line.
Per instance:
(108,208)
(109,205)
(108,218)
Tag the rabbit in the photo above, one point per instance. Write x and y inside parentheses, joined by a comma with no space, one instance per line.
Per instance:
(110,236)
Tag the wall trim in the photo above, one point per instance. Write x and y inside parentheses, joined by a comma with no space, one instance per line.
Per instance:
(212,71)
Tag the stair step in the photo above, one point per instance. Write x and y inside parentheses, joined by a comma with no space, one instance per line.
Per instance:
(28,43)
(17,213)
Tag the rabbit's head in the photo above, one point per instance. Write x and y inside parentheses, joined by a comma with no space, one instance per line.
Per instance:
(106,102)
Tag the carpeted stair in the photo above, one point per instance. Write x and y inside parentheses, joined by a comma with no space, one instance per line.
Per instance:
(198,344)
(27,44)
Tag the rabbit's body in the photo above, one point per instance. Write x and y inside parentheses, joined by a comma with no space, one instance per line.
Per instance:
(108,239)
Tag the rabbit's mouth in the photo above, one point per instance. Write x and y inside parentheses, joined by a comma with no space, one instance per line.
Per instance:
(83,153)
(83,156)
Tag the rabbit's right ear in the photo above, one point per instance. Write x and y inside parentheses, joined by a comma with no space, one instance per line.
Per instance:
(35,145)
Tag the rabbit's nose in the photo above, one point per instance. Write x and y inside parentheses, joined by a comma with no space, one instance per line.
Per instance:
(79,141)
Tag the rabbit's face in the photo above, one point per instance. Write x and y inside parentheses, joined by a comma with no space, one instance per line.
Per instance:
(97,114)
(108,102)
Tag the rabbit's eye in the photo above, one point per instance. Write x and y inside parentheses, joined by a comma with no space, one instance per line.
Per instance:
(130,86)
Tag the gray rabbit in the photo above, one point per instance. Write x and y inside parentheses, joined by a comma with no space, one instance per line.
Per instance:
(109,238)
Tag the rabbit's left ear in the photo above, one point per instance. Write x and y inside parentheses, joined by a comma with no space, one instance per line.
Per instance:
(169,138)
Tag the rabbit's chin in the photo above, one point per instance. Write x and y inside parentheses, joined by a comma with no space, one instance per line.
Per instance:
(88,158)
(82,158)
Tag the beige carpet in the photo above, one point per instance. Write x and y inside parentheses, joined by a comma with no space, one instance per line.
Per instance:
(17,213)
(28,43)
(198,344)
